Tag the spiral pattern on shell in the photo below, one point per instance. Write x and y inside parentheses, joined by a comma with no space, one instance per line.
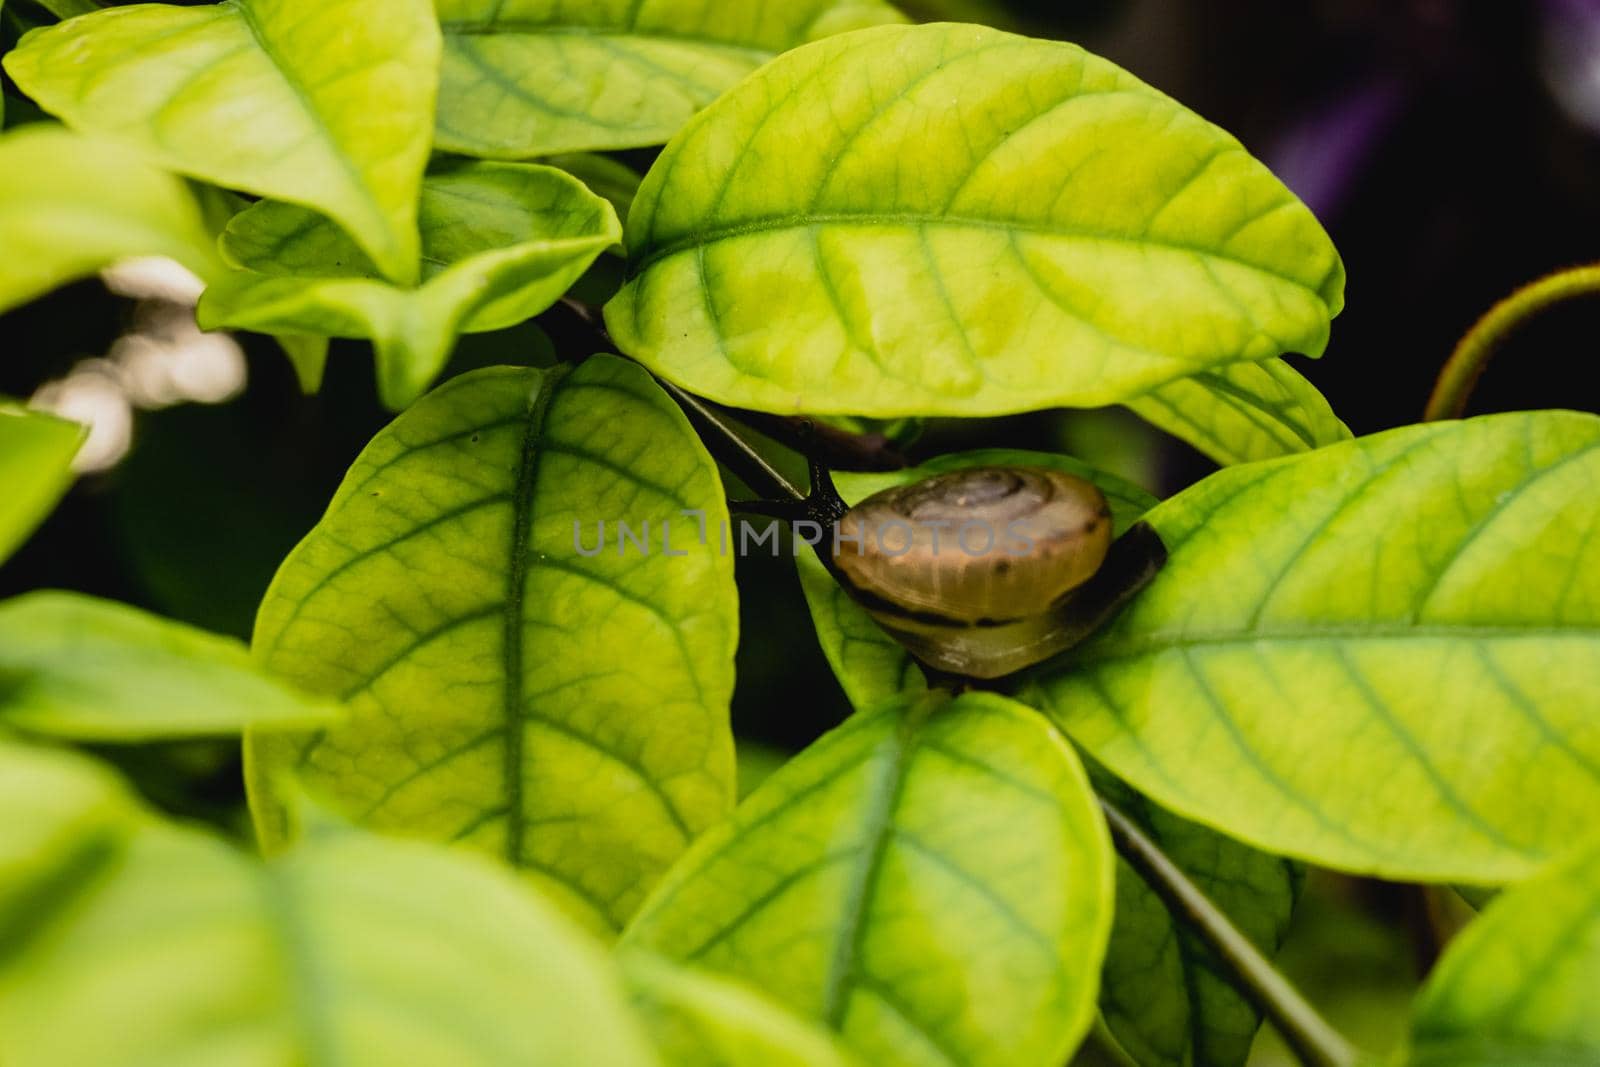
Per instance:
(980,546)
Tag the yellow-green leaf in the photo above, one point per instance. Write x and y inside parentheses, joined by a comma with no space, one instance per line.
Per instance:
(500,243)
(932,880)
(698,1020)
(871,665)
(36,452)
(326,103)
(173,948)
(62,813)
(70,205)
(1517,988)
(1243,412)
(531,77)
(566,713)
(1352,655)
(91,670)
(953,220)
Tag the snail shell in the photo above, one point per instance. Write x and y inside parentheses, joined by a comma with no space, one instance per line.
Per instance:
(976,571)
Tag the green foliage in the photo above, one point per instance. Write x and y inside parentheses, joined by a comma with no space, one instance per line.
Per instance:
(1243,412)
(155,944)
(985,224)
(698,1020)
(932,880)
(90,670)
(70,205)
(500,243)
(275,97)
(568,714)
(36,453)
(533,77)
(1518,987)
(1344,646)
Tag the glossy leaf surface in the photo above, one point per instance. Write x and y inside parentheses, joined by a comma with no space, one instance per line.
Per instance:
(932,879)
(351,950)
(1518,986)
(698,1020)
(326,103)
(983,224)
(1351,654)
(70,205)
(92,670)
(500,242)
(871,665)
(567,713)
(36,452)
(1243,412)
(532,77)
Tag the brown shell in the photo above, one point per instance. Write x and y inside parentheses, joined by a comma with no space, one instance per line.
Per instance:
(982,544)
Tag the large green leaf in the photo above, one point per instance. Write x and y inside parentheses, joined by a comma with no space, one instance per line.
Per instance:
(36,452)
(932,879)
(170,947)
(91,670)
(871,665)
(567,713)
(981,223)
(500,243)
(326,103)
(1243,412)
(61,813)
(1351,654)
(1518,988)
(71,204)
(699,1020)
(1164,996)
(530,77)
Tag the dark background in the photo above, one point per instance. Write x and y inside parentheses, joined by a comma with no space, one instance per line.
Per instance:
(1450,148)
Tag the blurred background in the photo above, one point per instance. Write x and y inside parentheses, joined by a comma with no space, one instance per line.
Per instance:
(1452,148)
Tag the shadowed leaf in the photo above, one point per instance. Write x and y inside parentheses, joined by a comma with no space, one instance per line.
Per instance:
(36,452)
(531,77)
(500,243)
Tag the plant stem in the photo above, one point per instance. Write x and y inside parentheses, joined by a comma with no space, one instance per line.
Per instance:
(1471,356)
(724,442)
(1315,1042)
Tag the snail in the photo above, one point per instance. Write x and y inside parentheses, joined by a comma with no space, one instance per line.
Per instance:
(984,571)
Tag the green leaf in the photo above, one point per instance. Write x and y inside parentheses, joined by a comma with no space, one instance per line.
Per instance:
(70,205)
(326,103)
(698,1020)
(36,453)
(567,713)
(62,812)
(932,880)
(617,182)
(1163,994)
(871,665)
(500,243)
(532,77)
(178,949)
(1243,412)
(1350,653)
(90,670)
(1517,988)
(982,224)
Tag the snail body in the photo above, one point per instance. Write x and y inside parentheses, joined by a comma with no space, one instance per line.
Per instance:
(985,571)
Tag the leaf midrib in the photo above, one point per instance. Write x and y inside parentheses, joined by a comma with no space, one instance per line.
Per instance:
(919,220)
(514,615)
